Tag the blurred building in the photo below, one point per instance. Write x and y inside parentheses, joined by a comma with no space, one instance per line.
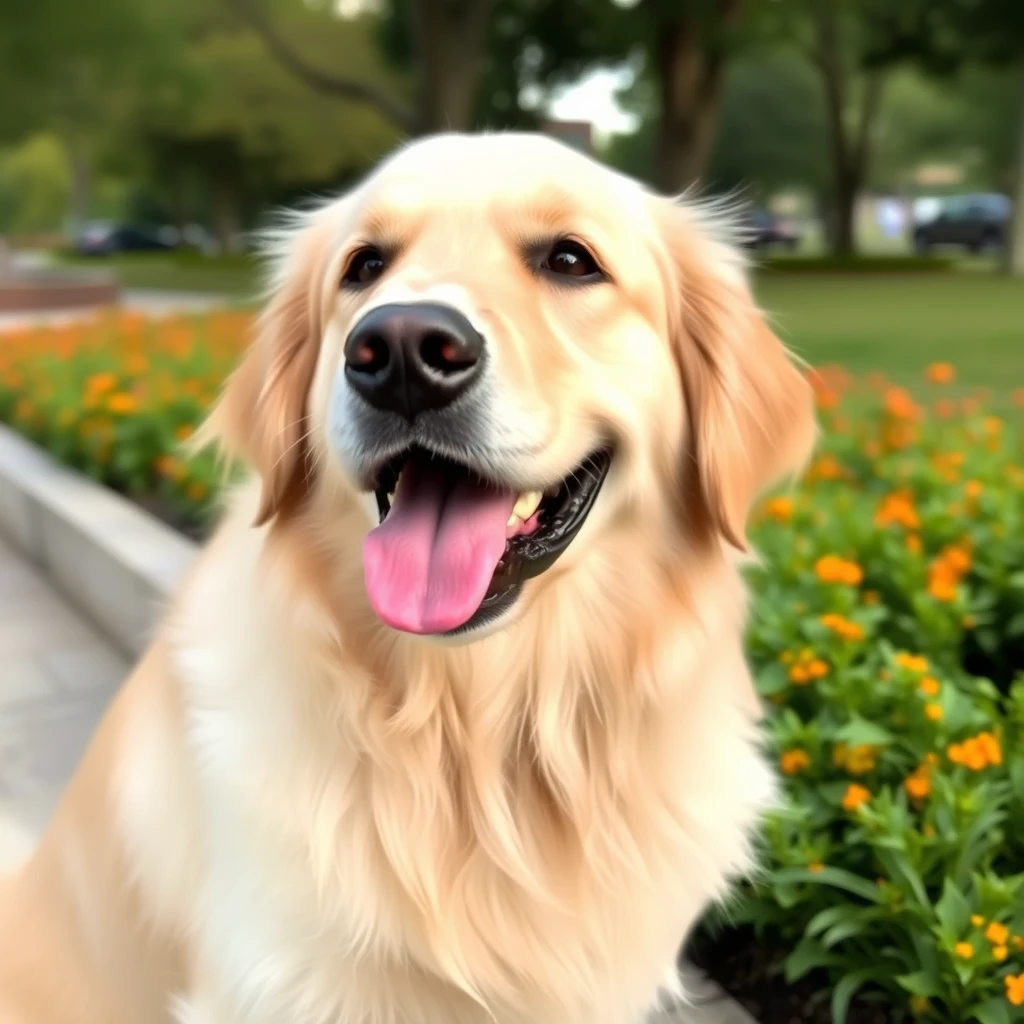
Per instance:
(578,134)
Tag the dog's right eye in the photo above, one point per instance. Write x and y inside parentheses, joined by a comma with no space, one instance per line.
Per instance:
(364,267)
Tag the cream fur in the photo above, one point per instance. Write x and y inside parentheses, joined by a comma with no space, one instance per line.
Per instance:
(292,813)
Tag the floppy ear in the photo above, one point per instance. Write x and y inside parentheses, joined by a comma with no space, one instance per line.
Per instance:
(751,412)
(261,415)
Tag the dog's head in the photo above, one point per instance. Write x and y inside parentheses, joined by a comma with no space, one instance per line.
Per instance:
(495,344)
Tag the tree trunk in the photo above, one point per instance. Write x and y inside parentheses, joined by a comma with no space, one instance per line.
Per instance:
(690,83)
(1014,254)
(850,157)
(224,200)
(449,39)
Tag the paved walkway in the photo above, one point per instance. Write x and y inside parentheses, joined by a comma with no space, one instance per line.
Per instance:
(57,675)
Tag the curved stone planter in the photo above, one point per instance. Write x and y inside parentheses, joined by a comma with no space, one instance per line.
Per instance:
(29,291)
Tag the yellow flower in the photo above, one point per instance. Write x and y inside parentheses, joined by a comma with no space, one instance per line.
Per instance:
(1015,988)
(999,952)
(934,712)
(964,950)
(860,759)
(912,662)
(977,920)
(833,569)
(815,866)
(973,489)
(997,933)
(919,1005)
(1018,942)
(855,796)
(793,761)
(929,686)
(941,373)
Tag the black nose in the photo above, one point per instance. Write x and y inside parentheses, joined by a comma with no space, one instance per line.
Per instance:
(412,357)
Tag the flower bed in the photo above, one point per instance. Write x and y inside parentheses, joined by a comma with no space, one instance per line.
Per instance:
(887,637)
(117,397)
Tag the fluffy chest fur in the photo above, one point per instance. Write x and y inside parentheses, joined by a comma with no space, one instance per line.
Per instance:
(515,830)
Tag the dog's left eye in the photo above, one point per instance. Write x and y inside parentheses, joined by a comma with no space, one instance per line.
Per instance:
(570,259)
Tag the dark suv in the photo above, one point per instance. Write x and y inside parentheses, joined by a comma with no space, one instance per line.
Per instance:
(977,223)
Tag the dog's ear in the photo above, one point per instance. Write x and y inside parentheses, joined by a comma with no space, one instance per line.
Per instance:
(261,415)
(751,411)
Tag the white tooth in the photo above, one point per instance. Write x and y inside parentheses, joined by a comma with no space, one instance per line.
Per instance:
(513,520)
(527,504)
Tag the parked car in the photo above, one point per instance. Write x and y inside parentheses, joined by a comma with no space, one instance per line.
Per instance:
(978,223)
(768,231)
(107,239)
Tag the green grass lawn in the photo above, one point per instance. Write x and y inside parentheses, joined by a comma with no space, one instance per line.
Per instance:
(234,276)
(895,323)
(898,324)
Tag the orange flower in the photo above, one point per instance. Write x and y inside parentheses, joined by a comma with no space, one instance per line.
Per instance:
(941,373)
(1018,397)
(815,866)
(912,662)
(779,509)
(793,761)
(1015,988)
(196,490)
(999,953)
(973,489)
(825,468)
(929,686)
(817,669)
(121,403)
(913,543)
(900,405)
(990,748)
(871,597)
(184,432)
(855,796)
(964,950)
(843,627)
(860,759)
(997,933)
(919,1005)
(945,409)
(933,712)
(833,569)
(898,507)
(918,785)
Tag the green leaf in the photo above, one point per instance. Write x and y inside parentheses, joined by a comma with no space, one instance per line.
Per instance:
(953,910)
(808,955)
(920,983)
(844,930)
(825,919)
(838,878)
(772,680)
(859,731)
(847,989)
(994,1011)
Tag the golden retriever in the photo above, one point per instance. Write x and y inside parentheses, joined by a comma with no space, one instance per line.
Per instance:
(450,723)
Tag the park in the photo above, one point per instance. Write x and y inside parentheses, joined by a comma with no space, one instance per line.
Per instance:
(148,145)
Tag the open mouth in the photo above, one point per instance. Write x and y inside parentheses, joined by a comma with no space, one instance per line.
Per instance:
(453,550)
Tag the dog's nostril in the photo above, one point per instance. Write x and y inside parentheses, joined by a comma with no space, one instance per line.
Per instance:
(371,355)
(441,352)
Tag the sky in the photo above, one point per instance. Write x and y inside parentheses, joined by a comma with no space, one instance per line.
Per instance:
(593,99)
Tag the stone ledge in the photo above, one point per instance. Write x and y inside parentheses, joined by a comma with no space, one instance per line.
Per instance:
(114,562)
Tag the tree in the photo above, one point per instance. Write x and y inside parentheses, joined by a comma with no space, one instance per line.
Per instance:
(946,36)
(447,40)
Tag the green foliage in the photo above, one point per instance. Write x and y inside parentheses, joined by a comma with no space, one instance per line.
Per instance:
(889,578)
(36,184)
(855,264)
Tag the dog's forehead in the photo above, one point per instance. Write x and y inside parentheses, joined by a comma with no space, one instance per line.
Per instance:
(509,170)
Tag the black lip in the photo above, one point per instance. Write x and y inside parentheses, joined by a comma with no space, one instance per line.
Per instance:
(561,518)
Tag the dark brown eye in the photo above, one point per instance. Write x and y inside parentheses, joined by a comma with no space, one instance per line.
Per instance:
(570,259)
(364,267)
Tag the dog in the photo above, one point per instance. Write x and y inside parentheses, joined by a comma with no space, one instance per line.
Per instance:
(450,720)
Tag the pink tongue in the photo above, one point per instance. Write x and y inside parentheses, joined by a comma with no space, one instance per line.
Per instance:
(428,565)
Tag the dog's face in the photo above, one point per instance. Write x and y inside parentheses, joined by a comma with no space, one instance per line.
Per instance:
(500,345)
